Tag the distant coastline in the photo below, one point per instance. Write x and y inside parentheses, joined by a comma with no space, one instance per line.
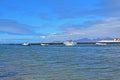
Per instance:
(59,43)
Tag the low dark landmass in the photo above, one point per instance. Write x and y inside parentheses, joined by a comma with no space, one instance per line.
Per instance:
(59,43)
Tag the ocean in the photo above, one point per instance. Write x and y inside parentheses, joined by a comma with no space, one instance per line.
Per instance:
(59,62)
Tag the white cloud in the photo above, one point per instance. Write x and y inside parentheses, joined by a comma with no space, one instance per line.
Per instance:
(14,27)
(109,27)
(42,37)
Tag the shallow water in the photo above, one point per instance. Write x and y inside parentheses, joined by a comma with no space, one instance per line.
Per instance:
(59,62)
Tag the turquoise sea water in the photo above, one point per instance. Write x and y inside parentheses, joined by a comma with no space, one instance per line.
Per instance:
(59,62)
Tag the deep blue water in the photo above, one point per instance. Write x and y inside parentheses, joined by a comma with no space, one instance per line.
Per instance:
(59,62)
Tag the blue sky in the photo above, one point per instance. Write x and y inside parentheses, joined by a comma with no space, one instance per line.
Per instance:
(58,20)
